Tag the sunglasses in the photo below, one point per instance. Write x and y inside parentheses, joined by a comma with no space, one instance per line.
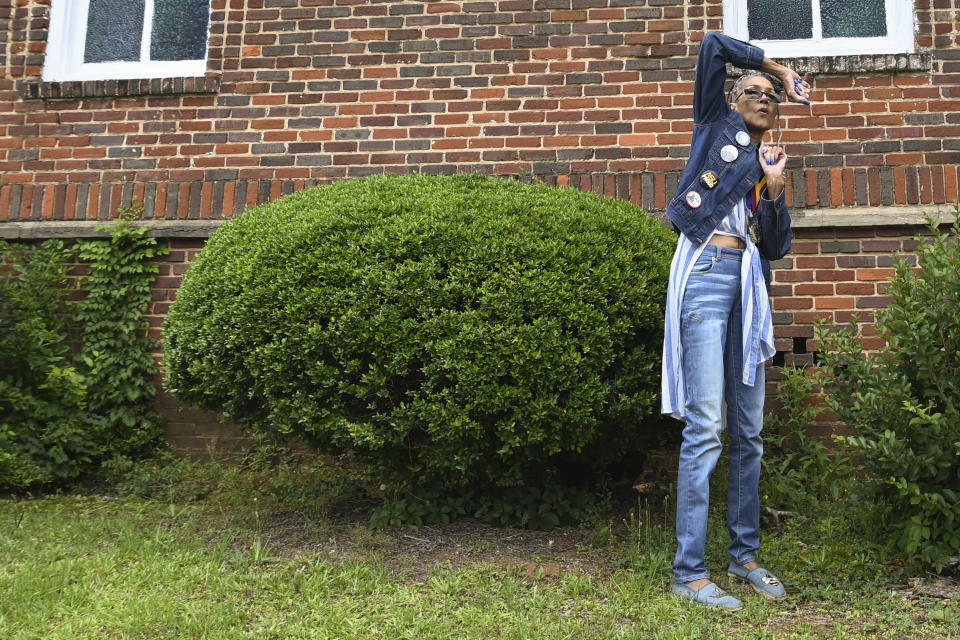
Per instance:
(754,94)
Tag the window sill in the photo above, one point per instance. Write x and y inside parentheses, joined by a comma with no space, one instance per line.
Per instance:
(39,90)
(867,63)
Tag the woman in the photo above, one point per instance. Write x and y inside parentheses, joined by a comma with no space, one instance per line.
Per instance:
(732,219)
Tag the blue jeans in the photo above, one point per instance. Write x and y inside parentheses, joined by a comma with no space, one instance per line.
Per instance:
(710,330)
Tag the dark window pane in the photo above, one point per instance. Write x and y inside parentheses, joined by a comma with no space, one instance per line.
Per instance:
(853,18)
(114,30)
(180,30)
(779,19)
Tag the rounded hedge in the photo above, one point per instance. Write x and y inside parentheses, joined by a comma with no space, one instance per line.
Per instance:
(459,331)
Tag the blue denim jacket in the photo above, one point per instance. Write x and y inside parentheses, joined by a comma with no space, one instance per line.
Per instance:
(715,126)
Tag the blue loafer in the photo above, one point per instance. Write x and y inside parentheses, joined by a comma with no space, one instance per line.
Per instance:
(762,581)
(710,595)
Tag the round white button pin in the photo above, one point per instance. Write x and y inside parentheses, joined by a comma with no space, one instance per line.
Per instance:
(729,153)
(694,199)
(743,138)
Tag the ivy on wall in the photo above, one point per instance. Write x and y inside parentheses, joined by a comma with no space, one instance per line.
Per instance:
(63,411)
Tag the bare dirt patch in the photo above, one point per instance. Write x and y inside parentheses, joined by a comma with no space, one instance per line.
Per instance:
(415,552)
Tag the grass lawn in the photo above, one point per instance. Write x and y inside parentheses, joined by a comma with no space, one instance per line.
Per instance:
(221,553)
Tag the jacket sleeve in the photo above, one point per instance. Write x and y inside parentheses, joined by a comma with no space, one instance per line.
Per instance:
(777,234)
(716,50)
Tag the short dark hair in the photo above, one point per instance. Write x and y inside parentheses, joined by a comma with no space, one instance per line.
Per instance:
(738,85)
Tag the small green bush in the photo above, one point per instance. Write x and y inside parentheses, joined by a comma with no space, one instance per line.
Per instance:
(454,331)
(903,401)
(43,416)
(62,413)
(799,469)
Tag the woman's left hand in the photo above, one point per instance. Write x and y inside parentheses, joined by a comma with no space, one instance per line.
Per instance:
(773,160)
(796,87)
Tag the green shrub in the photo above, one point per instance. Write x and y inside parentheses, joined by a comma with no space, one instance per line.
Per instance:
(903,402)
(60,415)
(798,469)
(453,331)
(43,415)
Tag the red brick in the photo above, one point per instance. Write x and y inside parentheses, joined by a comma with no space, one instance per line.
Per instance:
(856,288)
(816,262)
(926,185)
(950,184)
(875,274)
(872,302)
(834,303)
(115,199)
(5,194)
(70,203)
(834,275)
(183,200)
(48,199)
(802,247)
(848,187)
(794,331)
(811,317)
(880,246)
(818,289)
(206,199)
(899,185)
(660,191)
(794,303)
(160,204)
(811,188)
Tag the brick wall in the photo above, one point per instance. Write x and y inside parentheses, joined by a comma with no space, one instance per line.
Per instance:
(594,94)
(834,276)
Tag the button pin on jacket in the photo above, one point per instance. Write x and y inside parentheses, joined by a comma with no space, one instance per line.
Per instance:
(729,153)
(743,138)
(755,231)
(709,179)
(694,199)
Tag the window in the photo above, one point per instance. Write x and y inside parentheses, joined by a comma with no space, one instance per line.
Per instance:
(795,28)
(110,39)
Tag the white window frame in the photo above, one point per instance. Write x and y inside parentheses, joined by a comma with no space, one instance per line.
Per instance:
(66,42)
(900,36)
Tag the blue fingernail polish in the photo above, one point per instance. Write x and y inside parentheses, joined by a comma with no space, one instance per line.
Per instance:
(806,102)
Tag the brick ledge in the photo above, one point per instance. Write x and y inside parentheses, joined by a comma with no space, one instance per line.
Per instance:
(88,229)
(850,217)
(39,90)
(870,216)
